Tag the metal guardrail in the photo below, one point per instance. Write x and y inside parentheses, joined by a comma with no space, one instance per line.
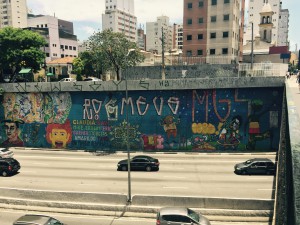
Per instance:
(206,70)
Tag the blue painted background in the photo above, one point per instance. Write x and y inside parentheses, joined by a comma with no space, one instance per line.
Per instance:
(187,120)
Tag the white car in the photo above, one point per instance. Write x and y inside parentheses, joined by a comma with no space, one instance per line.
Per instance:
(92,79)
(6,153)
(68,79)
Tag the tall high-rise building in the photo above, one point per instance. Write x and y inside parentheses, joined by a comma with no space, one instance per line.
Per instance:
(254,9)
(13,13)
(178,36)
(119,17)
(159,34)
(212,28)
(283,31)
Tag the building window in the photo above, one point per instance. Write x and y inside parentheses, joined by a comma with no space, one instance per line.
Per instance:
(213,18)
(189,37)
(213,35)
(212,51)
(225,34)
(190,5)
(200,36)
(201,20)
(189,21)
(74,48)
(200,52)
(226,17)
(213,2)
(226,1)
(189,53)
(61,47)
(201,4)
(224,51)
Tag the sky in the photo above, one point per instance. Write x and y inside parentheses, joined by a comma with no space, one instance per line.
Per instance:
(87,15)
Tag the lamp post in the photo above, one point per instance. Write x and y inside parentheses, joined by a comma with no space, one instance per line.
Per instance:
(127,129)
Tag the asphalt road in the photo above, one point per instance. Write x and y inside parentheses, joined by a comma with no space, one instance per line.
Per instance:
(180,175)
(7,217)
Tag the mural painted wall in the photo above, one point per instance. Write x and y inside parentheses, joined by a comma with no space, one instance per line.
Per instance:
(188,120)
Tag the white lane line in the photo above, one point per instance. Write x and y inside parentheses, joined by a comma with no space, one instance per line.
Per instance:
(266,189)
(176,187)
(41,164)
(88,184)
(174,177)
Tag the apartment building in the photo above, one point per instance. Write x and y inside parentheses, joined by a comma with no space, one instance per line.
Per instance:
(13,13)
(59,35)
(212,28)
(178,36)
(254,9)
(119,17)
(141,38)
(159,34)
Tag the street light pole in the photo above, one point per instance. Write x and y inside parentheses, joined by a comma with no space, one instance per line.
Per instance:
(127,130)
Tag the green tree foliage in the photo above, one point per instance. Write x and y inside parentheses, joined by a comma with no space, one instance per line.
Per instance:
(112,51)
(87,64)
(20,48)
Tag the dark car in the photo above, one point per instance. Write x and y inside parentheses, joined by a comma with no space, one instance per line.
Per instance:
(140,162)
(37,220)
(256,166)
(9,166)
(180,216)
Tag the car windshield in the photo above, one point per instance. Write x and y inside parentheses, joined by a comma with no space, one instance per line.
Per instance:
(4,150)
(193,215)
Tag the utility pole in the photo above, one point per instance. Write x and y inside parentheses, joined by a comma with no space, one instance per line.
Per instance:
(163,73)
(252,56)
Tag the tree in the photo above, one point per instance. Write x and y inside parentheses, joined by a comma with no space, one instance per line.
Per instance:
(20,48)
(112,51)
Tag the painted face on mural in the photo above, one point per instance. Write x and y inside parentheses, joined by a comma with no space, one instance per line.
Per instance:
(59,138)
(11,130)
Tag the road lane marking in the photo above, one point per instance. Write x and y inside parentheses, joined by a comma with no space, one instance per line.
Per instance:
(176,187)
(41,164)
(265,189)
(174,177)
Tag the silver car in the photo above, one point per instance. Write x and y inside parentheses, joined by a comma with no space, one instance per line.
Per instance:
(37,220)
(180,216)
(6,153)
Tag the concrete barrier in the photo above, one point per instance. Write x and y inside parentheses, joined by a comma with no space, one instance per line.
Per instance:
(61,196)
(204,202)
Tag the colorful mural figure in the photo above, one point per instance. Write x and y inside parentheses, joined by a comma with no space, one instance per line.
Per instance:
(12,130)
(59,135)
(169,124)
(229,137)
(255,133)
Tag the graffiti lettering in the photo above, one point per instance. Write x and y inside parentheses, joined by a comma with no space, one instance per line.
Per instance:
(129,101)
(173,101)
(164,83)
(141,101)
(161,105)
(226,101)
(93,113)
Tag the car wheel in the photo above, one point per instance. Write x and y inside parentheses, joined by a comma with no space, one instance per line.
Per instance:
(124,168)
(4,174)
(148,168)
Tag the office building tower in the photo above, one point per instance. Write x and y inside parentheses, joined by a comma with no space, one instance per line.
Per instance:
(13,13)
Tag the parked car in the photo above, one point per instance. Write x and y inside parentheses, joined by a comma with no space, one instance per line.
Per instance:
(256,166)
(92,79)
(9,166)
(68,79)
(180,216)
(6,153)
(141,162)
(30,219)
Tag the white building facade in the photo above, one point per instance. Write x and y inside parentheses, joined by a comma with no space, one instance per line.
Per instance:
(159,31)
(13,13)
(119,17)
(254,9)
(283,32)
(178,36)
(58,34)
